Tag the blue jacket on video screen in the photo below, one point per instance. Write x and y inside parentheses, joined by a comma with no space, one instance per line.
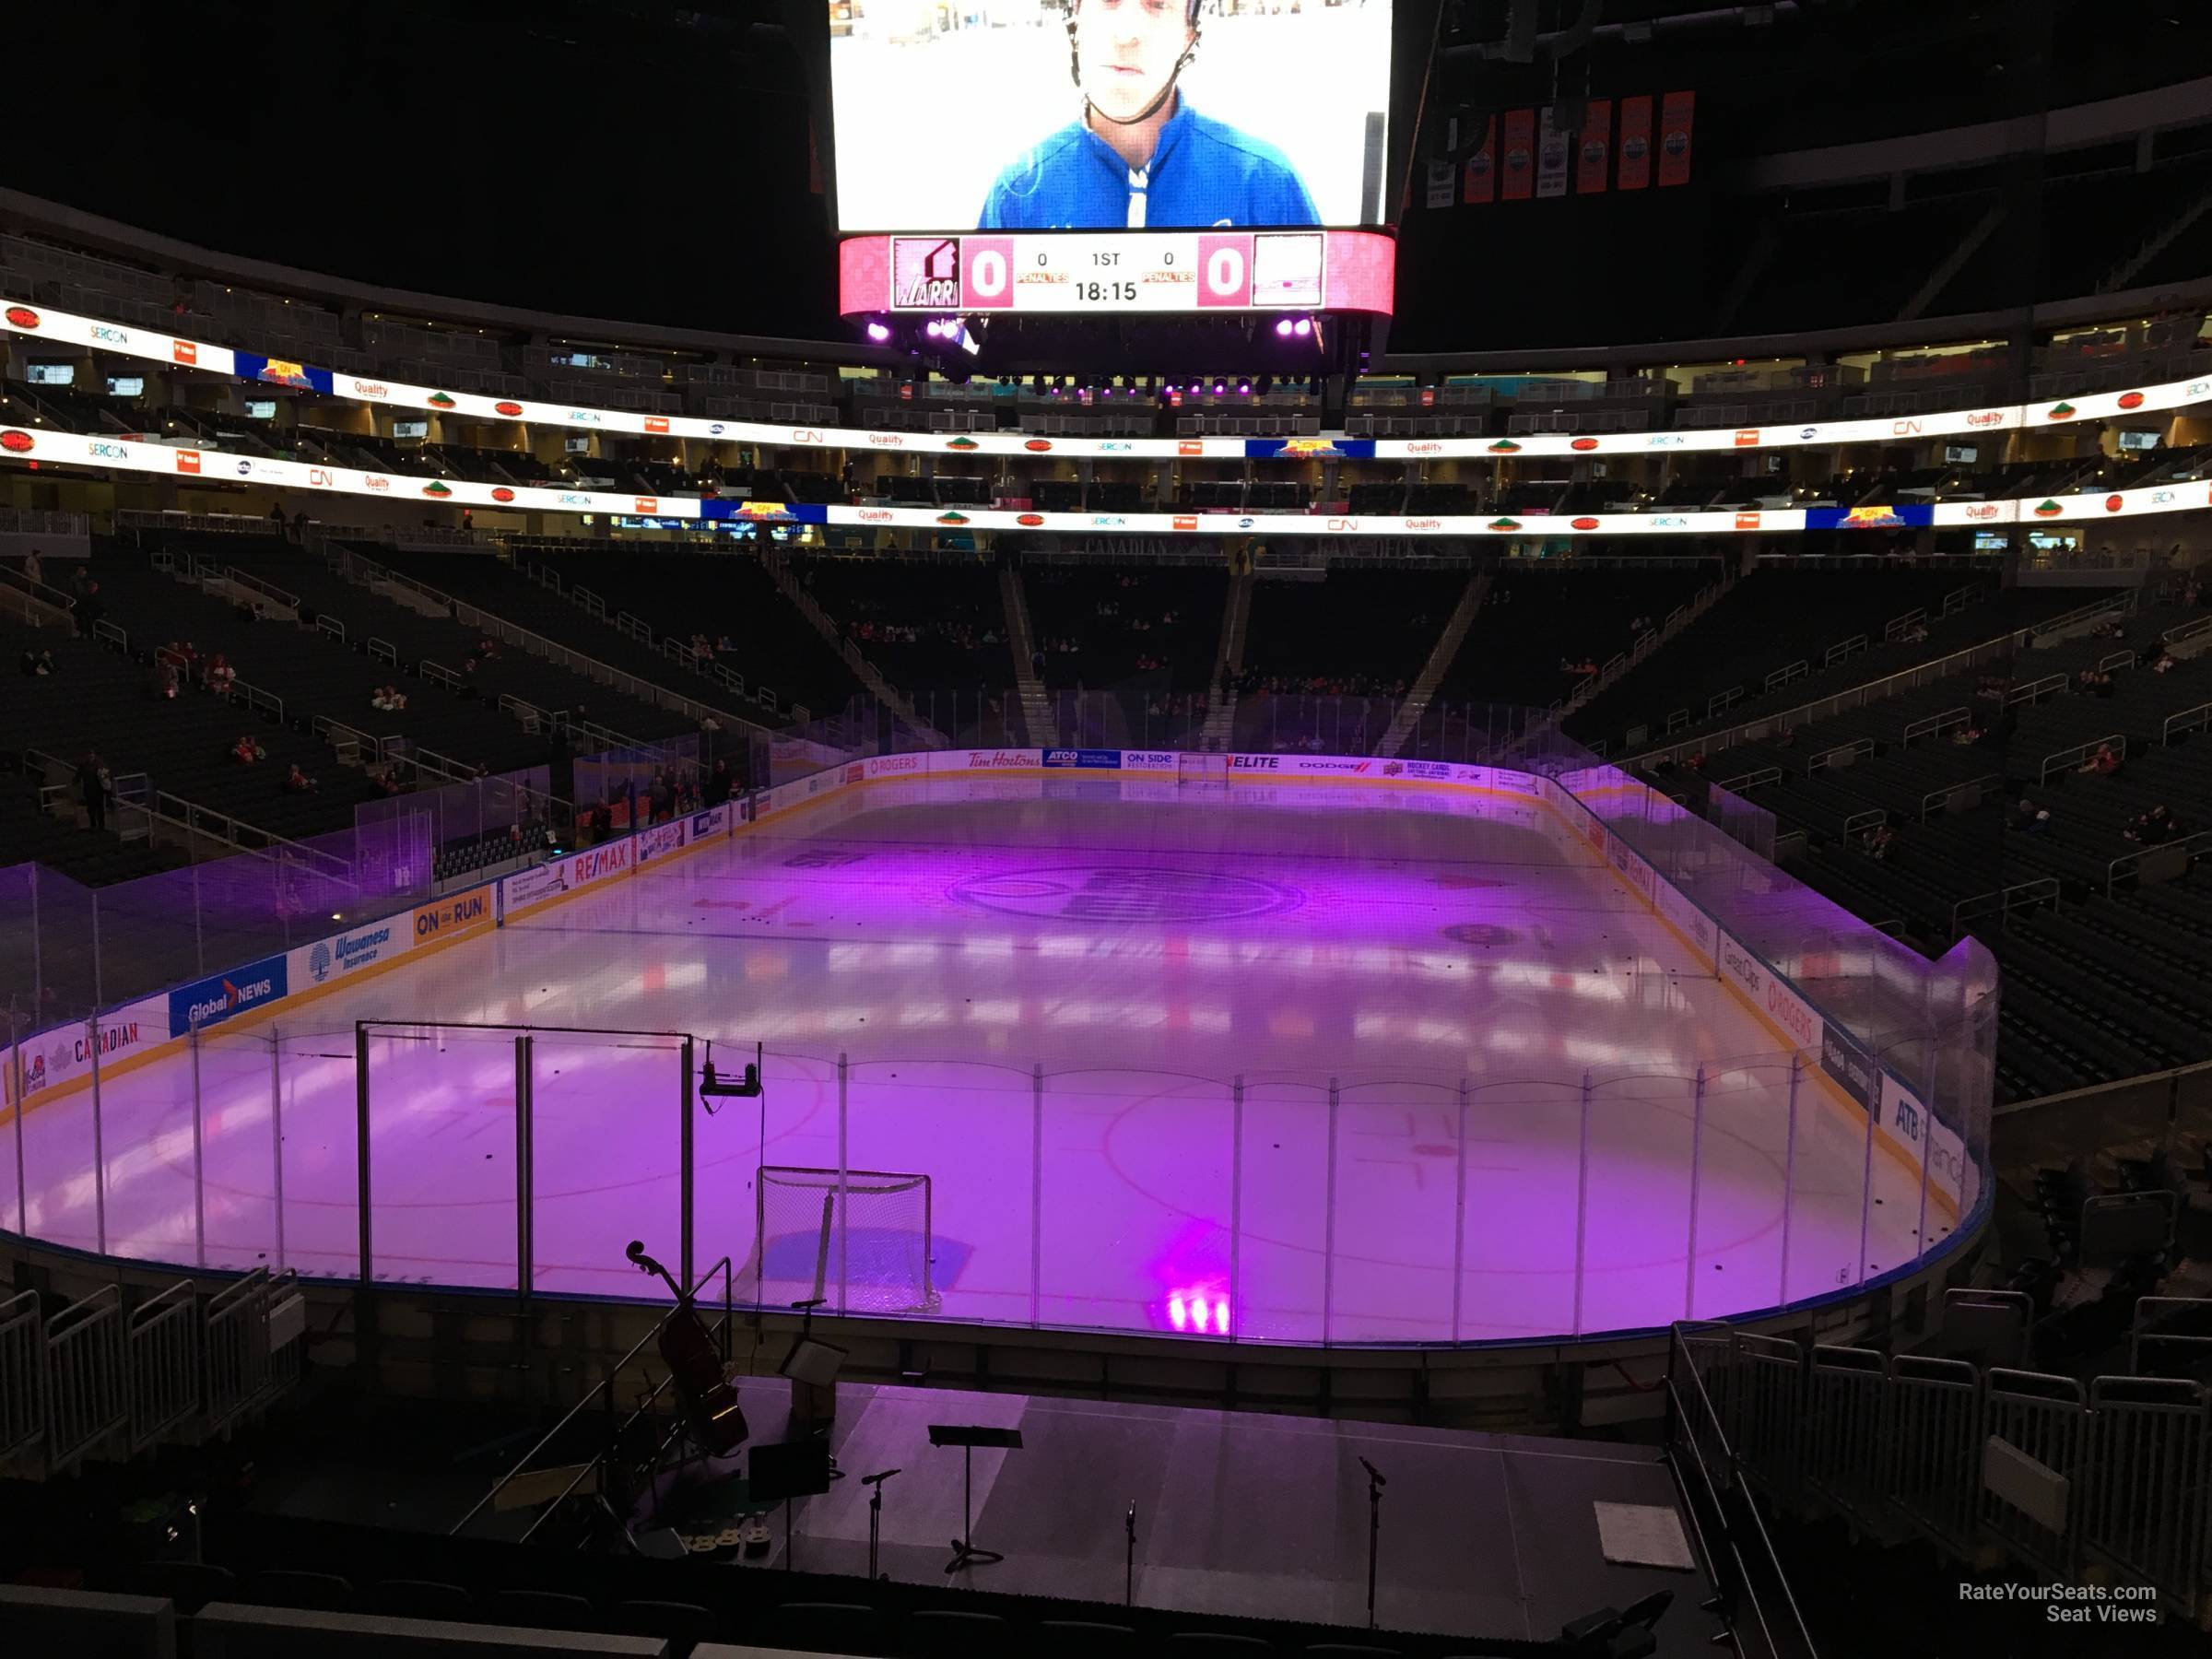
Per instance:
(1203,173)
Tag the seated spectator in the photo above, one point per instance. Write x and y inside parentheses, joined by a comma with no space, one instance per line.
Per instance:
(1967,736)
(164,681)
(297,782)
(2103,763)
(2155,828)
(220,675)
(2163,662)
(1879,841)
(247,750)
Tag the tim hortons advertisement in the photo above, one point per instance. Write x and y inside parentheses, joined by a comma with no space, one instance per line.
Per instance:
(993,759)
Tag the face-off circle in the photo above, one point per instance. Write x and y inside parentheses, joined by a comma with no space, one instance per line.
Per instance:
(1124,893)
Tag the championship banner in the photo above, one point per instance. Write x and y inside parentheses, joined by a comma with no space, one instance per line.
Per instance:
(1675,117)
(1520,157)
(1596,148)
(1551,157)
(1478,179)
(1635,144)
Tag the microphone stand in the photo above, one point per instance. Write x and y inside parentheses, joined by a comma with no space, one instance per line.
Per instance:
(1129,1559)
(875,1482)
(1375,1483)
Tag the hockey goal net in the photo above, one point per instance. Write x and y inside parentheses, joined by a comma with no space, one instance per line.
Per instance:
(1201,768)
(861,1241)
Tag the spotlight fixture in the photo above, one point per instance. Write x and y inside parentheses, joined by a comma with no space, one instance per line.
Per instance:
(1283,328)
(878,331)
(1302,327)
(1243,388)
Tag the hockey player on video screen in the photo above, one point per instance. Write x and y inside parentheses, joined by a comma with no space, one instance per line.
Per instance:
(1138,154)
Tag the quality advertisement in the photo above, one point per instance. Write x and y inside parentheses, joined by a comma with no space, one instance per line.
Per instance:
(23,317)
(128,454)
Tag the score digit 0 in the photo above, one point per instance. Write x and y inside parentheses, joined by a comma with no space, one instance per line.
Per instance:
(1225,271)
(987,274)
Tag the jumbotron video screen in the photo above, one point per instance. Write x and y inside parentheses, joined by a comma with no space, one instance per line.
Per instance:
(1020,115)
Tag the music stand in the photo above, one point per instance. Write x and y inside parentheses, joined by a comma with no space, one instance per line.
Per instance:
(786,1470)
(967,1437)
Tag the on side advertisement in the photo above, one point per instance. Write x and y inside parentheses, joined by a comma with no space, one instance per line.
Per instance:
(453,916)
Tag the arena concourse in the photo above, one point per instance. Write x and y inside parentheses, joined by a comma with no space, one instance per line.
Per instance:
(1380,835)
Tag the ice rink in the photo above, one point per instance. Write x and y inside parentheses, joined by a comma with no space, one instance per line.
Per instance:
(1103,1018)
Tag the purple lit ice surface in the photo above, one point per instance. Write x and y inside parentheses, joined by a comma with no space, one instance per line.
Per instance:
(1104,1019)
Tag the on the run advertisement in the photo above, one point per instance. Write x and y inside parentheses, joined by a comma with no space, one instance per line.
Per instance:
(967,115)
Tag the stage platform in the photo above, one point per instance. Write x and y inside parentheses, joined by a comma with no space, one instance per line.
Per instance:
(1238,1512)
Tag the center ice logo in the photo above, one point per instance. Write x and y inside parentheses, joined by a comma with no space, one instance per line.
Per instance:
(1121,893)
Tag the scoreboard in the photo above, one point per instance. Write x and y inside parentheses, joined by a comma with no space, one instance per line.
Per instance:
(1108,272)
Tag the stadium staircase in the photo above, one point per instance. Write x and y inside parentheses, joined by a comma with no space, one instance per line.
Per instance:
(1038,726)
(1221,702)
(1952,264)
(787,583)
(1676,620)
(1408,716)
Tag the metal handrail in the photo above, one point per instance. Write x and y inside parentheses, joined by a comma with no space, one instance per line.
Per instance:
(265,842)
(721,1328)
(2188,719)
(2116,741)
(1935,724)
(1936,798)
(267,590)
(2005,901)
(2035,690)
(537,644)
(2192,844)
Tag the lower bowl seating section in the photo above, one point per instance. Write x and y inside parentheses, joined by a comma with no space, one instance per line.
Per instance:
(2102,939)
(1771,622)
(419,637)
(1108,625)
(676,597)
(1538,627)
(100,699)
(929,626)
(1353,634)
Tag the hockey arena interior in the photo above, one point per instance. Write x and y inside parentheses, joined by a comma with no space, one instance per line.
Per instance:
(1349,829)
